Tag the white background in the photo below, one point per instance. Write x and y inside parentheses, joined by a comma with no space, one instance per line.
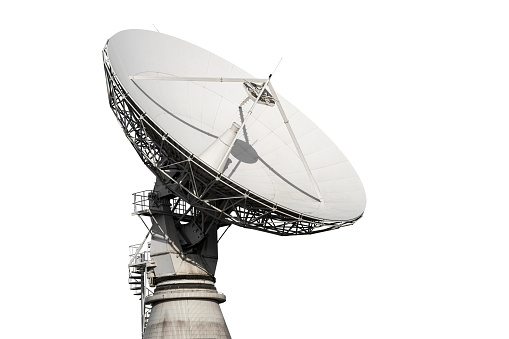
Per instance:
(415,93)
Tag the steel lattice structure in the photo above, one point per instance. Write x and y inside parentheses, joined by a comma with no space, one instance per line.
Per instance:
(196,183)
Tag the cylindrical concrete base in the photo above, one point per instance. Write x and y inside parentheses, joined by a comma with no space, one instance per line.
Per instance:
(182,312)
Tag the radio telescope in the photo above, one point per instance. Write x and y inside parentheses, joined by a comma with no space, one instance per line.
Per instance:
(226,149)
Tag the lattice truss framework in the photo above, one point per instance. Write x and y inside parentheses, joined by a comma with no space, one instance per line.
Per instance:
(194,182)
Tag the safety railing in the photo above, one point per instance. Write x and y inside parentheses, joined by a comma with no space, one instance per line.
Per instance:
(138,257)
(142,200)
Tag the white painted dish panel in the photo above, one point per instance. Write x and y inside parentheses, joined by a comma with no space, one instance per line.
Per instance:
(264,158)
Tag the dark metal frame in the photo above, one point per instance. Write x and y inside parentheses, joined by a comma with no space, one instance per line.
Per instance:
(198,184)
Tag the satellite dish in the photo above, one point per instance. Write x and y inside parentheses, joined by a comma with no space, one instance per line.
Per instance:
(226,149)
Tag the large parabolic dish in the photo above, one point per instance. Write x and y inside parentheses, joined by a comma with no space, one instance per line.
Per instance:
(265,184)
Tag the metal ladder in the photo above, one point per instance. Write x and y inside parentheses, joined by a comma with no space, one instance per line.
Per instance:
(139,262)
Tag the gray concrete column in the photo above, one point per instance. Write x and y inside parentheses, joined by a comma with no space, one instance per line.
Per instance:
(186,308)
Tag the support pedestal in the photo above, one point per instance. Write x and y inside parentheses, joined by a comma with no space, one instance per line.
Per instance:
(186,308)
